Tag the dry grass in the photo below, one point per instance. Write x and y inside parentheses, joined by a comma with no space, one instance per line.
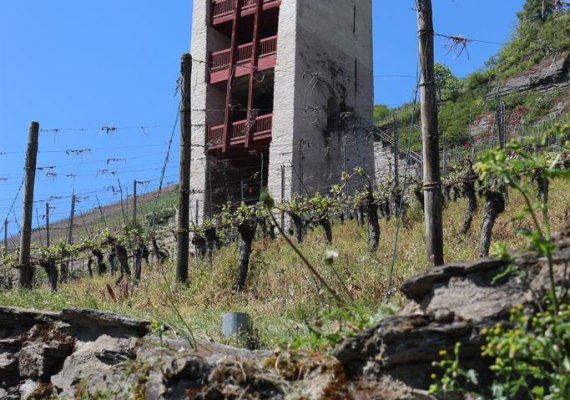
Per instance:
(280,294)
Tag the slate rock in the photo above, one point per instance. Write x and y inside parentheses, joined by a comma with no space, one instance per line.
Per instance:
(449,304)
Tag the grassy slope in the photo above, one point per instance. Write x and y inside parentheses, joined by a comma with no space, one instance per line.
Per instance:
(91,223)
(280,294)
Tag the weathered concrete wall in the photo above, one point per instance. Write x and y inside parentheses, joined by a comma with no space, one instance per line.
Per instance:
(325,63)
(384,163)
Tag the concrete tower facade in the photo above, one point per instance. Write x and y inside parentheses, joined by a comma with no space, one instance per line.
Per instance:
(282,96)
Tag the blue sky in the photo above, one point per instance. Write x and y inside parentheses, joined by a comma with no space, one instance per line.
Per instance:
(76,66)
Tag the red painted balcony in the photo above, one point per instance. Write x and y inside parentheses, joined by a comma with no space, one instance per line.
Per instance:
(223,10)
(261,131)
(220,60)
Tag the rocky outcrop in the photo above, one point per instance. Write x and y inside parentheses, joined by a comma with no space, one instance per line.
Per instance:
(92,354)
(448,304)
(41,351)
(552,73)
(550,77)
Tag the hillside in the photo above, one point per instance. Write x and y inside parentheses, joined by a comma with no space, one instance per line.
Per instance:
(112,216)
(280,295)
(530,76)
(450,307)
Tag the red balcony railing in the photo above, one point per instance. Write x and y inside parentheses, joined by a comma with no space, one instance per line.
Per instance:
(268,46)
(239,129)
(263,124)
(224,8)
(221,59)
(244,52)
(215,135)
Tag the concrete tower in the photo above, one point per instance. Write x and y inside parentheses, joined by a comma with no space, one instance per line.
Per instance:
(282,96)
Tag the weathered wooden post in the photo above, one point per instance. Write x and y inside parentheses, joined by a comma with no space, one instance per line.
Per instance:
(135,203)
(210,191)
(282,196)
(127,205)
(71,218)
(430,135)
(301,166)
(6,237)
(445,162)
(345,170)
(26,272)
(64,276)
(396,132)
(185,157)
(47,225)
(125,221)
(5,252)
(501,124)
(197,210)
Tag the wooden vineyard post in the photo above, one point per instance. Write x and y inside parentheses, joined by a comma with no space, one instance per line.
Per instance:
(301,173)
(6,237)
(430,135)
(197,210)
(185,157)
(445,163)
(71,218)
(345,170)
(5,251)
(47,225)
(39,229)
(26,234)
(501,124)
(396,151)
(134,203)
(64,276)
(283,196)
